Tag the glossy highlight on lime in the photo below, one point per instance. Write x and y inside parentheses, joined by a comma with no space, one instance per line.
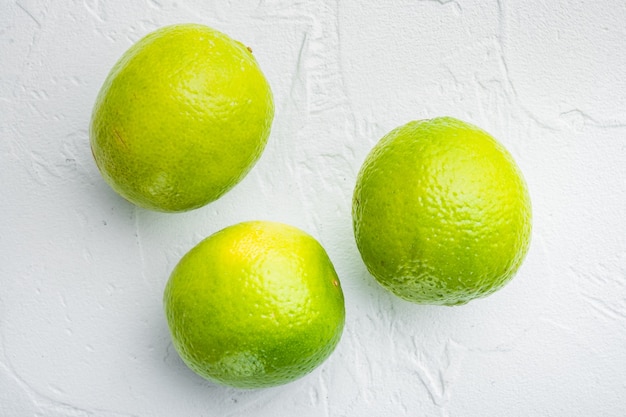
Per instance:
(441,212)
(257,304)
(181,118)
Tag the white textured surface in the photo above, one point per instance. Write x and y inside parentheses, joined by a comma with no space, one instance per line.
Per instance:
(82,331)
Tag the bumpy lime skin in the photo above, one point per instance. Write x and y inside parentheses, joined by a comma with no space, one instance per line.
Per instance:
(441,213)
(256,305)
(181,118)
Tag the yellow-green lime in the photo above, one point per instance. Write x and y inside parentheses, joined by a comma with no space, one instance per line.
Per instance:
(181,118)
(441,212)
(256,304)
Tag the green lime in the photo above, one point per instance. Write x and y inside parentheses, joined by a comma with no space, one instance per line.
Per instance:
(257,304)
(441,212)
(181,118)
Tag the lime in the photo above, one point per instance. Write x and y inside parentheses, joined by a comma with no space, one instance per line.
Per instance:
(441,212)
(181,118)
(257,304)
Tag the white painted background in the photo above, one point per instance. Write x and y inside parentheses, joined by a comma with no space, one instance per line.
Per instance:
(82,332)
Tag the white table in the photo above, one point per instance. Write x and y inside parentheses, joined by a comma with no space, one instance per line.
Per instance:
(82,330)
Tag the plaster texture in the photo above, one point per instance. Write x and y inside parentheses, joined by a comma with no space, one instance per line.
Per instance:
(82,329)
